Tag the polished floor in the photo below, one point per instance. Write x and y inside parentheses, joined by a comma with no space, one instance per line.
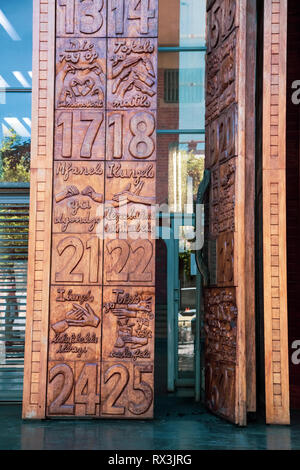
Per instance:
(179,424)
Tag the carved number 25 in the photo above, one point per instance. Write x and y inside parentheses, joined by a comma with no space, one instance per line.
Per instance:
(89,13)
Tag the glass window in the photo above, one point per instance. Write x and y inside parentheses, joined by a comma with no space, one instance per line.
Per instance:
(182,23)
(15,89)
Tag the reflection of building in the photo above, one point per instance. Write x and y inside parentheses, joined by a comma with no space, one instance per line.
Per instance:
(180,164)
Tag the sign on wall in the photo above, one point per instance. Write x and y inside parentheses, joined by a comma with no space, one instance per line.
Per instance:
(90,346)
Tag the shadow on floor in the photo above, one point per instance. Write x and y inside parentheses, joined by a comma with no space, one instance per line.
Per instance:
(179,424)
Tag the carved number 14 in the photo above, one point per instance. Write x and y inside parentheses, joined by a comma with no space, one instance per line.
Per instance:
(138,10)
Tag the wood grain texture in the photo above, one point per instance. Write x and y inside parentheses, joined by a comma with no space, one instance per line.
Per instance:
(274,214)
(40,211)
(73,361)
(225,142)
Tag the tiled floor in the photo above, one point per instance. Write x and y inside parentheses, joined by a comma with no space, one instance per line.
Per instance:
(179,424)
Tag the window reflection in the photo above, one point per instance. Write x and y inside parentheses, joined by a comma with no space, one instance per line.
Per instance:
(15,90)
(16,44)
(182,23)
(181,96)
(15,131)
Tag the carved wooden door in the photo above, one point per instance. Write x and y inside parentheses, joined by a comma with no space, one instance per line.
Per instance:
(231,282)
(91,302)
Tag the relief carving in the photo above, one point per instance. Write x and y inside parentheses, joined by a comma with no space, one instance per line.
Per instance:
(133,324)
(132,18)
(221,21)
(75,327)
(220,78)
(76,205)
(220,324)
(81,17)
(80,73)
(132,65)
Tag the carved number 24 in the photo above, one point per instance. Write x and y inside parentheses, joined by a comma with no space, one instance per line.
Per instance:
(138,10)
(86,389)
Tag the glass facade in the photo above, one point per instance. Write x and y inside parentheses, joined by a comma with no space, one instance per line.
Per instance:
(15,89)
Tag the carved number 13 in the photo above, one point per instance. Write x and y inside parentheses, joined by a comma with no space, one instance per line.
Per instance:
(90,16)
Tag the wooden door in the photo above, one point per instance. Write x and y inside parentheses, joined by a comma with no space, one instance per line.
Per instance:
(91,284)
(229,296)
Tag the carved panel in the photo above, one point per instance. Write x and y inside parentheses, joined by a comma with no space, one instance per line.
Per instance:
(79,135)
(91,353)
(81,18)
(225,149)
(132,76)
(75,328)
(131,135)
(222,199)
(128,324)
(91,294)
(221,21)
(132,18)
(77,202)
(80,73)
(221,78)
(220,343)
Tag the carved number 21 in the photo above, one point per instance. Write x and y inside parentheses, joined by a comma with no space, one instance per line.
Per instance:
(138,10)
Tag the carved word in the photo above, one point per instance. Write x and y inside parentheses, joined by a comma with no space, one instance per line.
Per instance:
(69,296)
(67,168)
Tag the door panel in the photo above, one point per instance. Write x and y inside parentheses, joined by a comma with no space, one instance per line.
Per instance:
(225,345)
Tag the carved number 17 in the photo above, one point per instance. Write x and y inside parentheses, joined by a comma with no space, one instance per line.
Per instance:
(138,10)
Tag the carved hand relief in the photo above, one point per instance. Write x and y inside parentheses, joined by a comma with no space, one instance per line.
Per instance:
(129,200)
(132,18)
(81,17)
(131,135)
(75,326)
(77,202)
(132,81)
(80,73)
(128,323)
(76,259)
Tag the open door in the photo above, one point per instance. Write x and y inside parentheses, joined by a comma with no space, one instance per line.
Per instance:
(229,294)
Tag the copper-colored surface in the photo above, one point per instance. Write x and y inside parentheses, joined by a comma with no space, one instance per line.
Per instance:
(98,344)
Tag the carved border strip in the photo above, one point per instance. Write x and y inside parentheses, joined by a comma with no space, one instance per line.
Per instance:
(34,392)
(274,214)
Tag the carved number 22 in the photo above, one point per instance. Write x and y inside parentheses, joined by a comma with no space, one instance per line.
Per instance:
(138,10)
(138,273)
(90,16)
